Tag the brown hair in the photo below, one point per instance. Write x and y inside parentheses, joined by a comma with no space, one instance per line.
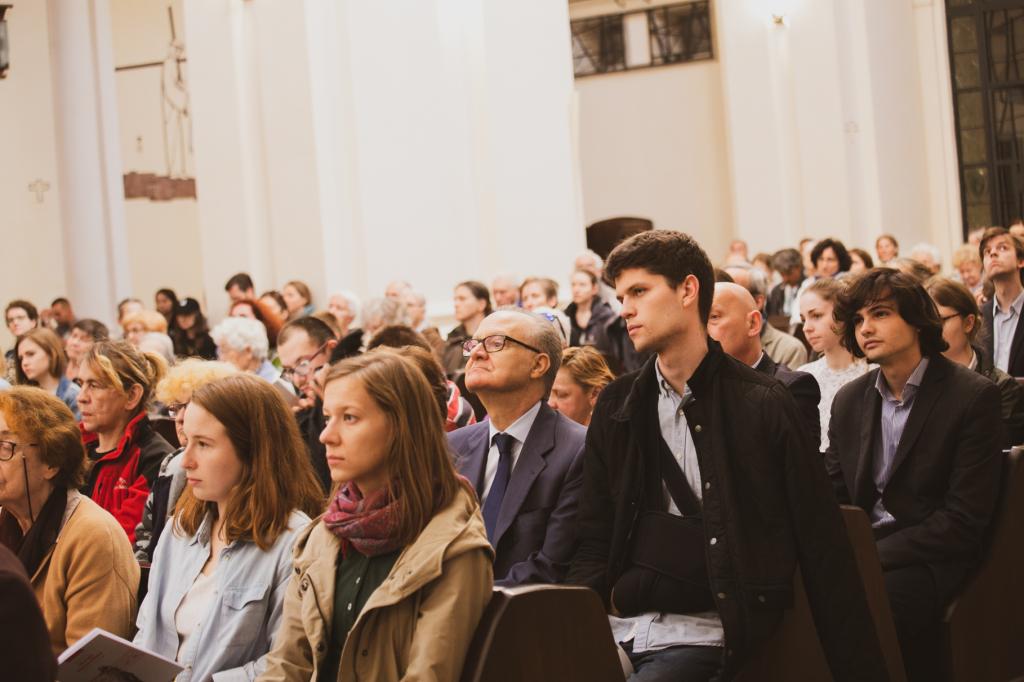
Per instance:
(547,285)
(587,367)
(946,292)
(277,477)
(826,288)
(992,233)
(41,417)
(50,344)
(422,476)
(302,288)
(122,365)
(480,292)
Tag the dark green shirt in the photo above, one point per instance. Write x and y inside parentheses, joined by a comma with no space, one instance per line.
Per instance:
(355,579)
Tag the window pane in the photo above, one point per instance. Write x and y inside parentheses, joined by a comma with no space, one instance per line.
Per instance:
(972,146)
(966,68)
(965,34)
(680,33)
(597,45)
(970,109)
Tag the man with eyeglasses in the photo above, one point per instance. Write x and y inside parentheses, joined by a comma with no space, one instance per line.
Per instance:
(1002,255)
(304,347)
(526,460)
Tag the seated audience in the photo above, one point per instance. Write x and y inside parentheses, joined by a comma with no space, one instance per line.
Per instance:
(526,460)
(174,390)
(961,327)
(78,558)
(783,297)
(735,322)
(559,320)
(20,317)
(218,580)
(763,262)
(59,316)
(83,334)
(344,306)
(259,310)
(588,314)
(915,269)
(161,344)
(24,641)
(837,366)
(887,248)
(967,263)
(860,260)
(242,342)
(457,410)
(191,333)
(915,444)
(401,546)
(538,292)
(591,262)
(275,303)
(298,299)
(927,255)
(166,301)
(581,377)
(472,304)
(505,290)
(126,307)
(1003,257)
(240,287)
(124,450)
(830,259)
(304,347)
(676,536)
(41,362)
(135,325)
(382,312)
(782,348)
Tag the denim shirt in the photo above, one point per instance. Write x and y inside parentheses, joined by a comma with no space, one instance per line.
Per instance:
(233,639)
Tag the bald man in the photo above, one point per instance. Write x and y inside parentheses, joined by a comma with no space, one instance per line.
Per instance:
(781,347)
(735,322)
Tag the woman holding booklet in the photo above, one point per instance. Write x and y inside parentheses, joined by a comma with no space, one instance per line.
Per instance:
(391,581)
(218,578)
(75,553)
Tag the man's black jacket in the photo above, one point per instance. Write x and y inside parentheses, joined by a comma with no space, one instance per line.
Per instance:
(767,506)
(802,386)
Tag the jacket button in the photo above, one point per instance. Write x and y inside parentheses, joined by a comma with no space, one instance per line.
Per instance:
(760,598)
(297,570)
(698,428)
(707,486)
(713,541)
(304,585)
(721,595)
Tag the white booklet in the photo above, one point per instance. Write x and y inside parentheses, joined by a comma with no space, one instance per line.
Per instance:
(103,657)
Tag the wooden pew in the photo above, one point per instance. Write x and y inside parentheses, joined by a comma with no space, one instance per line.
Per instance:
(543,633)
(794,653)
(985,624)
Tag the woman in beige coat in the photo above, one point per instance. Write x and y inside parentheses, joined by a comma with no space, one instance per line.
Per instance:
(391,581)
(78,557)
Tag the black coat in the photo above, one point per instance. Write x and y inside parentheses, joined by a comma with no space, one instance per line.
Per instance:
(802,386)
(946,474)
(1015,367)
(24,639)
(1011,400)
(766,503)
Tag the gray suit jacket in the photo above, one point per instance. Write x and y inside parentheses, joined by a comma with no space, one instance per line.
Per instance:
(535,536)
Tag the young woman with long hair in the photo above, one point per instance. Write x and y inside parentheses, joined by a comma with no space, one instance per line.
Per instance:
(391,582)
(43,363)
(218,578)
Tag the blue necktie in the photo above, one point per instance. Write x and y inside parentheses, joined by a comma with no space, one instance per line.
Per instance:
(492,506)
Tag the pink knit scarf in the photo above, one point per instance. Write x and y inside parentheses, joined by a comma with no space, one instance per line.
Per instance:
(366,523)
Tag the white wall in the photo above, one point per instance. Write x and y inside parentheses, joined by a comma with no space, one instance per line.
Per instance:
(653,145)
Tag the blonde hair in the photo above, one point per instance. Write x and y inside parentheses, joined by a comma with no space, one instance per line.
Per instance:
(965,254)
(121,366)
(587,367)
(188,376)
(151,321)
(277,476)
(422,476)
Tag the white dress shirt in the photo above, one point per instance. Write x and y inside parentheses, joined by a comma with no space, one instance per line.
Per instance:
(519,429)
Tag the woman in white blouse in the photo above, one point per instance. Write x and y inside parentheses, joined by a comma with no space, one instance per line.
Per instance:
(217,582)
(837,366)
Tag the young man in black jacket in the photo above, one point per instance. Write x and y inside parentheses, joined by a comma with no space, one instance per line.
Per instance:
(702,493)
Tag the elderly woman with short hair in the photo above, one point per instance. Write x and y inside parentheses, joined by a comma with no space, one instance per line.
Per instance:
(78,558)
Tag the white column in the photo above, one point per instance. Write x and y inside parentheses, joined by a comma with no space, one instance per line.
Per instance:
(89,157)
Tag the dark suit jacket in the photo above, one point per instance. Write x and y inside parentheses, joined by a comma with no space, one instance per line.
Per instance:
(535,536)
(804,389)
(24,639)
(1015,368)
(946,475)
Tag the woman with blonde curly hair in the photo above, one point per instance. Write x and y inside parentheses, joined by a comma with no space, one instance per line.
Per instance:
(78,558)
(580,380)
(117,388)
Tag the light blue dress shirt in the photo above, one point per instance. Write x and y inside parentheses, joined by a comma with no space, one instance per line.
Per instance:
(232,641)
(1004,326)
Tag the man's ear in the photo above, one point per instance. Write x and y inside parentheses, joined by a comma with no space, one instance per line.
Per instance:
(754,323)
(540,366)
(689,290)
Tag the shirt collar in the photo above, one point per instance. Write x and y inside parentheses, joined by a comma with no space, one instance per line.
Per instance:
(757,362)
(913,383)
(1014,308)
(520,428)
(665,389)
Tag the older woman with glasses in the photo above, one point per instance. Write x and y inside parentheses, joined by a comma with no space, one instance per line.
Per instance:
(174,390)
(78,558)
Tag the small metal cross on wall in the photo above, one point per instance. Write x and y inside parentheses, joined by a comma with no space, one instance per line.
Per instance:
(39,186)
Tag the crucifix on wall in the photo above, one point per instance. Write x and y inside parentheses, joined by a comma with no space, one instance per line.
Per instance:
(39,186)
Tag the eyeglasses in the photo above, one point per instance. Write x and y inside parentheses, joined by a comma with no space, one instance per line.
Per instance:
(7,448)
(175,410)
(304,366)
(493,344)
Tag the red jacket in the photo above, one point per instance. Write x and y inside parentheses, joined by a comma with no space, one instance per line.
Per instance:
(119,481)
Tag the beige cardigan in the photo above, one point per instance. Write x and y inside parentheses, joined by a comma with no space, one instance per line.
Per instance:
(416,626)
(90,577)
